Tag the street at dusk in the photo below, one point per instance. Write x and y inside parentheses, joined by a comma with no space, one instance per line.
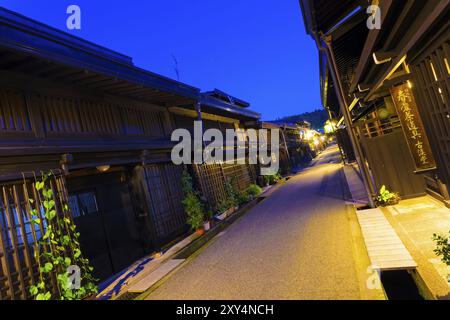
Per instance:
(297,244)
(225,159)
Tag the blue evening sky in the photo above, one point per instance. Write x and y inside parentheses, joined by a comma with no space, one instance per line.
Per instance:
(255,50)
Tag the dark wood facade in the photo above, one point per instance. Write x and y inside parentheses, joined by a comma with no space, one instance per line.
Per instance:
(103,127)
(361,66)
(431,76)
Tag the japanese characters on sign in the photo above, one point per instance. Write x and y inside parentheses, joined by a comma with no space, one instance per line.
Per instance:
(413,129)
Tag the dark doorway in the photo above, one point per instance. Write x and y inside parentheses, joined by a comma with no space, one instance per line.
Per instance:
(103,212)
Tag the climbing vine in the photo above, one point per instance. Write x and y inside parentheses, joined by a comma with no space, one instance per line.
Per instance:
(58,249)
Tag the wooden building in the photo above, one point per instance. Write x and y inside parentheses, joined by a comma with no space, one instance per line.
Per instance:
(103,127)
(390,85)
(219,110)
(297,147)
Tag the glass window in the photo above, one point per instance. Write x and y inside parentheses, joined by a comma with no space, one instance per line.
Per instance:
(88,202)
(73,204)
(83,203)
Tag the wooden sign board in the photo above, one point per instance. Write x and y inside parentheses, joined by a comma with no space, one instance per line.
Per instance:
(415,134)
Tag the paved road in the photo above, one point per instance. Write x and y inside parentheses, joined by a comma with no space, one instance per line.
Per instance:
(295,245)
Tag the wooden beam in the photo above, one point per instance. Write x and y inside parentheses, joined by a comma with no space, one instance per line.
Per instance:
(359,95)
(349,25)
(95,79)
(434,10)
(368,46)
(363,87)
(381,57)
(396,79)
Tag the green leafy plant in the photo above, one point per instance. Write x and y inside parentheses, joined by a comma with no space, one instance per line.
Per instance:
(242,197)
(224,205)
(442,247)
(193,206)
(58,248)
(233,197)
(254,190)
(272,179)
(231,194)
(386,197)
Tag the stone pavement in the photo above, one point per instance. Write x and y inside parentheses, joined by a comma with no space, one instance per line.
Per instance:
(415,221)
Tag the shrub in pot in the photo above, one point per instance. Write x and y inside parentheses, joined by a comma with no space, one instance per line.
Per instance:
(272,179)
(253,190)
(386,197)
(209,222)
(442,249)
(231,194)
(194,210)
(193,206)
(243,197)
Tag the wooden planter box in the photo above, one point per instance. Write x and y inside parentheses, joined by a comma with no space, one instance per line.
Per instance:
(227,213)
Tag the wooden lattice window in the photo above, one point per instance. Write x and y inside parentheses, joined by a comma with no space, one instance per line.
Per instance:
(19,237)
(167,213)
(212,181)
(432,83)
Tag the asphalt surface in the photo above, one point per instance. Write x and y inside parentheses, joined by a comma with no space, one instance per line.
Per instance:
(295,245)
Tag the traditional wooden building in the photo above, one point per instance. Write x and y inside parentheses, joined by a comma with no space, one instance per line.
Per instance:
(219,110)
(390,86)
(297,146)
(103,127)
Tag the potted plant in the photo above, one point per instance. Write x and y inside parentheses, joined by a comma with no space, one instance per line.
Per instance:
(386,197)
(232,195)
(443,249)
(208,224)
(253,191)
(225,209)
(242,197)
(193,206)
(272,179)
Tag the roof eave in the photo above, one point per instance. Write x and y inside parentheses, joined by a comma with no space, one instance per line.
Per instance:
(34,38)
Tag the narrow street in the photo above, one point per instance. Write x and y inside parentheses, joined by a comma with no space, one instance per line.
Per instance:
(296,244)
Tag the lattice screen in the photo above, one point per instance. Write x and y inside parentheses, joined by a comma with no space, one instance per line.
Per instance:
(432,77)
(164,185)
(19,237)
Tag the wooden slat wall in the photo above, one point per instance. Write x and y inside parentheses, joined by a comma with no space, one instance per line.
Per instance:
(168,218)
(68,115)
(53,117)
(392,165)
(432,86)
(14,117)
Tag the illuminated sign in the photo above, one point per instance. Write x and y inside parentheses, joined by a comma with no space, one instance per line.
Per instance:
(413,129)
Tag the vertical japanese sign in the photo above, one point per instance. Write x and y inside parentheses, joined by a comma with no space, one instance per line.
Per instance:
(413,129)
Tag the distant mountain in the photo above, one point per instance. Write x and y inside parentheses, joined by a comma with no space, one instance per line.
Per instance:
(317,118)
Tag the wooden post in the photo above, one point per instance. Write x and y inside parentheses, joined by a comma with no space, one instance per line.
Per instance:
(348,121)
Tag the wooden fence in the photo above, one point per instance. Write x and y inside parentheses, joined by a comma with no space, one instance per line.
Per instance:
(212,179)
